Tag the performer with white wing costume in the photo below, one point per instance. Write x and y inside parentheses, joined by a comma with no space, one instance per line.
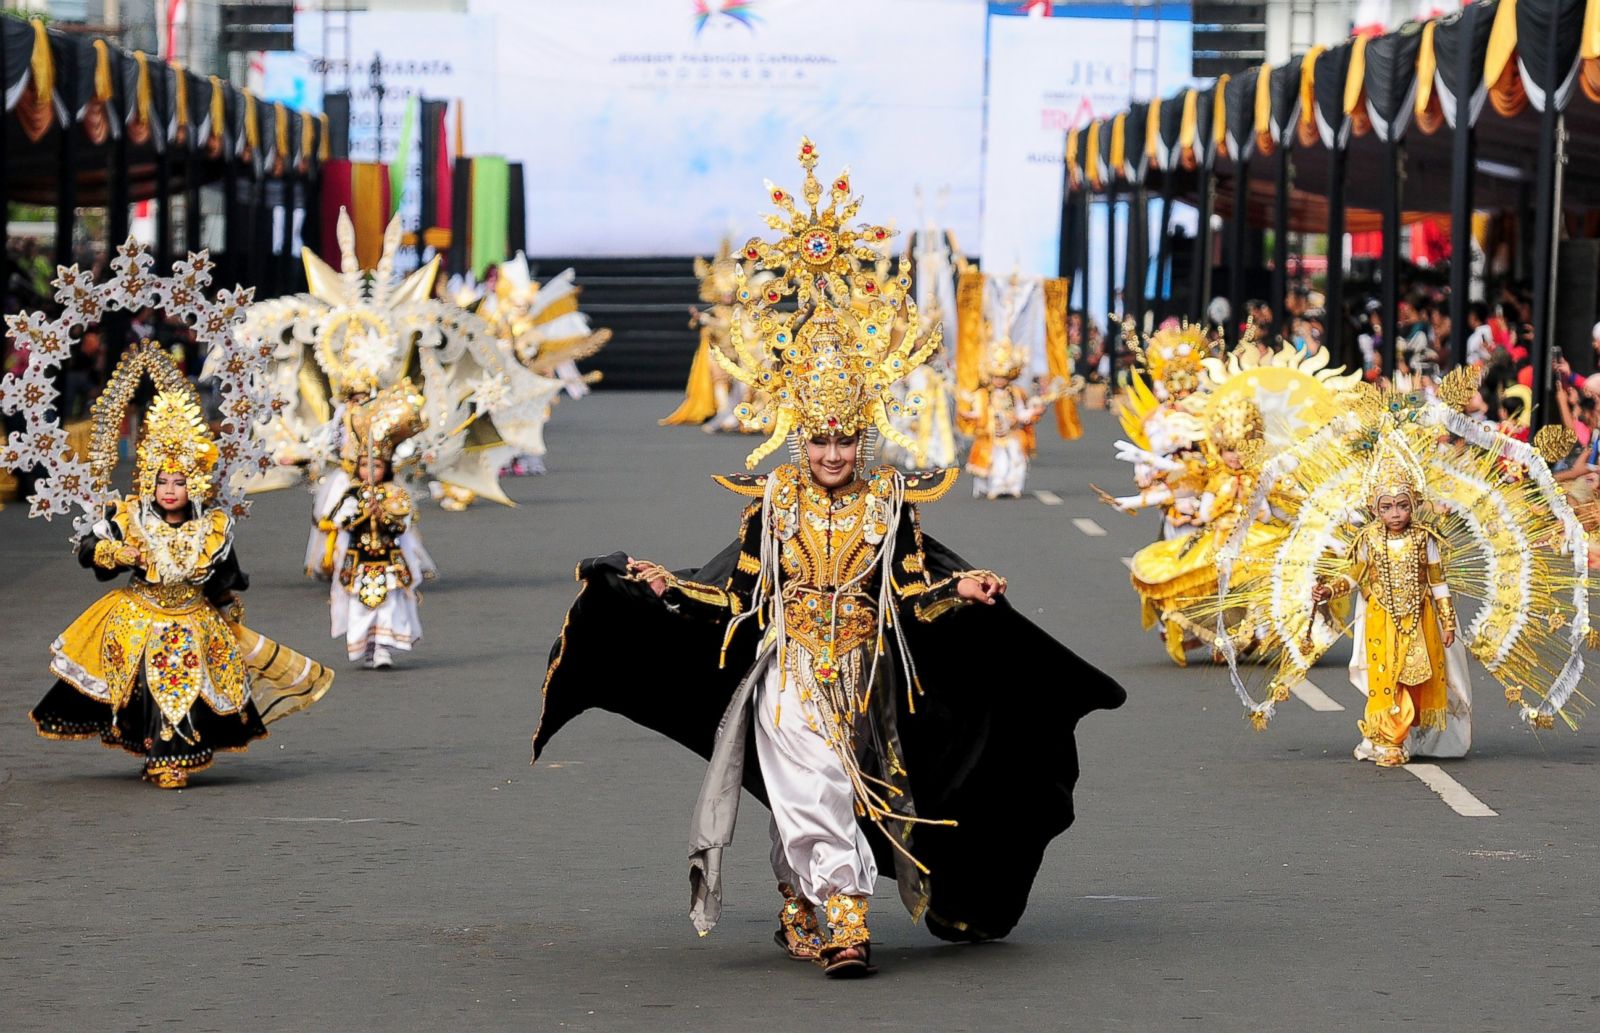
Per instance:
(482,406)
(1414,507)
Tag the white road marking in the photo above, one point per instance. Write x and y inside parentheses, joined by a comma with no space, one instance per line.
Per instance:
(1049,498)
(1453,793)
(1314,697)
(1088,527)
(1127,561)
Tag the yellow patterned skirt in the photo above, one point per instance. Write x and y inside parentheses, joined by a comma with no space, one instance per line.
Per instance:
(170,634)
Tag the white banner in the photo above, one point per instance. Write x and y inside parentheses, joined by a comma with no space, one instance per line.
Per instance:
(647,126)
(435,56)
(1049,74)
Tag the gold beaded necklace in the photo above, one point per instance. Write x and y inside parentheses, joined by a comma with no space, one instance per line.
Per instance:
(1400,560)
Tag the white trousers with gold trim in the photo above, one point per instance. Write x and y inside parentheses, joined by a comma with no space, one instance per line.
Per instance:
(817,847)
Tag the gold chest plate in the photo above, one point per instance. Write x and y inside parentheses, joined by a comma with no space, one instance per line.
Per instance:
(828,541)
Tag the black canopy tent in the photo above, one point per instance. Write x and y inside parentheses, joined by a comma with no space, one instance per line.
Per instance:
(110,128)
(1377,107)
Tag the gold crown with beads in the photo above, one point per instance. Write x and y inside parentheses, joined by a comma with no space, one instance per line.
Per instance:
(827,366)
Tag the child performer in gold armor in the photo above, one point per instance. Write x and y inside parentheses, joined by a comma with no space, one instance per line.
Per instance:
(372,600)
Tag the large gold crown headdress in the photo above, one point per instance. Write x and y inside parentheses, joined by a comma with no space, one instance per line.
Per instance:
(176,441)
(833,361)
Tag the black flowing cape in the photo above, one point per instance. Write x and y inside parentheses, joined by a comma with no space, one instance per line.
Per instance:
(989,743)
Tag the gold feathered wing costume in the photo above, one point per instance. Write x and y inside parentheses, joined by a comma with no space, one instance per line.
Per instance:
(1265,403)
(1511,542)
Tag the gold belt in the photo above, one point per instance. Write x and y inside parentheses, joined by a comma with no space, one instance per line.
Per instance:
(812,618)
(168,597)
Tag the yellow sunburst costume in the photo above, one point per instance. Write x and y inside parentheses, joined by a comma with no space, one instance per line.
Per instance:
(162,667)
(1410,506)
(1162,437)
(1252,406)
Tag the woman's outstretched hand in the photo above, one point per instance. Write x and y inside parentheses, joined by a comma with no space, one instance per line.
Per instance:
(652,574)
(982,588)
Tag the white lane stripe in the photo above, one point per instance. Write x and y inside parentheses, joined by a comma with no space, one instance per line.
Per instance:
(1088,527)
(1049,498)
(1453,793)
(1127,561)
(1314,697)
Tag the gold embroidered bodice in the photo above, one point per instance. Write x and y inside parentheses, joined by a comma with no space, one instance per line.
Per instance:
(828,547)
(179,555)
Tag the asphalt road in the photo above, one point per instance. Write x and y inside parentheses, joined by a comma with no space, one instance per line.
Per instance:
(389,860)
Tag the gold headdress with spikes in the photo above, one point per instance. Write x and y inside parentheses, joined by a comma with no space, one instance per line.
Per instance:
(834,362)
(1393,473)
(1237,425)
(376,428)
(176,441)
(1174,356)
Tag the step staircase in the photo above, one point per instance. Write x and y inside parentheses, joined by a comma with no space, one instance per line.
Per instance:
(645,302)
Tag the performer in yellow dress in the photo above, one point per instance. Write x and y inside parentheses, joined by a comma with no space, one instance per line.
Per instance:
(711,395)
(160,667)
(1409,623)
(1176,573)
(1406,505)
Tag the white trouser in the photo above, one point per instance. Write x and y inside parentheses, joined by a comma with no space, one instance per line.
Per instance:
(1008,466)
(817,847)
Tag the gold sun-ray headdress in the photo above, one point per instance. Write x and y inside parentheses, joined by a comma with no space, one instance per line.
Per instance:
(834,360)
(1173,357)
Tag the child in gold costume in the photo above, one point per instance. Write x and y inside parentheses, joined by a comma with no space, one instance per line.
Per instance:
(160,667)
(1406,658)
(1175,573)
(372,600)
(1407,505)
(1003,416)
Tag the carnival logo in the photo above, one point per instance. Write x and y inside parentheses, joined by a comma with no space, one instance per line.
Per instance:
(708,11)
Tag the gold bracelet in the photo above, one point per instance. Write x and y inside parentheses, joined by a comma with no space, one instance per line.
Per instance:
(1337,588)
(979,575)
(105,554)
(1447,614)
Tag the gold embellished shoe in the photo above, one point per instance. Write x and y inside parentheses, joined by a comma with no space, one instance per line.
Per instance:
(167,777)
(848,954)
(798,933)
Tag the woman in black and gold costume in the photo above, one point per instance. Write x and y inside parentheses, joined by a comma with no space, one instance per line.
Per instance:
(162,667)
(894,699)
